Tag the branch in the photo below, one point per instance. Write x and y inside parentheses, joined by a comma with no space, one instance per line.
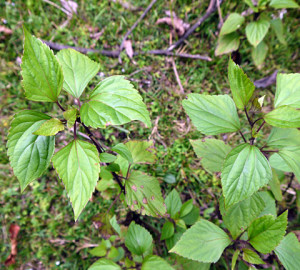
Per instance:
(134,26)
(182,55)
(211,8)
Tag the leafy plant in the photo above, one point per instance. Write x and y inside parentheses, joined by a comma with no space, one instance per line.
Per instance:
(84,164)
(257,27)
(245,169)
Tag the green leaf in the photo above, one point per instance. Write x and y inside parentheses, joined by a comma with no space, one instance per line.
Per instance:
(227,43)
(213,114)
(287,90)
(29,154)
(142,151)
(78,165)
(241,87)
(251,256)
(232,23)
(256,31)
(122,150)
(104,264)
(107,158)
(288,252)
(138,240)
(114,101)
(213,153)
(155,262)
(186,208)
(283,4)
(266,232)
(191,217)
(277,27)
(70,115)
(50,127)
(143,194)
(283,137)
(114,223)
(283,117)
(78,70)
(100,250)
(167,230)
(41,72)
(275,186)
(234,258)
(278,163)
(270,204)
(186,264)
(251,5)
(291,156)
(173,203)
(259,53)
(203,242)
(238,217)
(245,171)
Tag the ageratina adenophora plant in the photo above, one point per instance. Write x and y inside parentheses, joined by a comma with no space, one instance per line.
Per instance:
(249,231)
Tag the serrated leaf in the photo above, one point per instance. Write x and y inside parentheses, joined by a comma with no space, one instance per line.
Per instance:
(275,186)
(203,242)
(277,27)
(173,203)
(167,230)
(152,262)
(104,264)
(270,204)
(41,72)
(192,217)
(212,115)
(227,43)
(251,256)
(283,4)
(186,264)
(266,232)
(241,87)
(50,128)
(278,163)
(232,23)
(122,150)
(238,217)
(287,90)
(78,70)
(143,194)
(114,101)
(259,53)
(291,156)
(245,171)
(283,117)
(282,137)
(70,115)
(29,154)
(213,153)
(142,151)
(138,240)
(256,31)
(288,252)
(78,165)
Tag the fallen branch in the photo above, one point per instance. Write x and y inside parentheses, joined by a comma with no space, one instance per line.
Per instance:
(211,9)
(134,26)
(115,54)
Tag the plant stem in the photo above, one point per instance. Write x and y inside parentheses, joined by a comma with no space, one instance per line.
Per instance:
(60,106)
(260,126)
(289,184)
(248,118)
(115,200)
(260,118)
(242,136)
(75,135)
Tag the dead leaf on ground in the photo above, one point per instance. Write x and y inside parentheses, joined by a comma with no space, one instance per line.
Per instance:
(13,231)
(69,6)
(128,48)
(5,30)
(174,22)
